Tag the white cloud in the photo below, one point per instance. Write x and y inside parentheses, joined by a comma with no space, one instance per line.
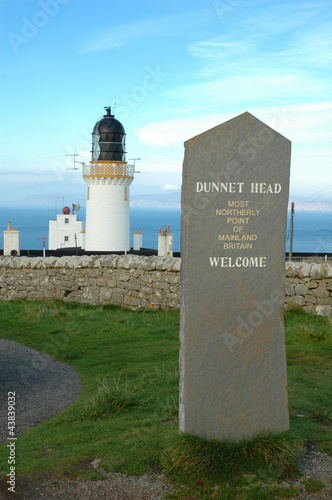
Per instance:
(264,87)
(283,17)
(308,126)
(171,187)
(310,48)
(280,37)
(116,36)
(153,166)
(175,132)
(215,49)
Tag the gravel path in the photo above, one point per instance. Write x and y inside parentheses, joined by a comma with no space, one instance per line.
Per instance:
(115,487)
(151,486)
(43,386)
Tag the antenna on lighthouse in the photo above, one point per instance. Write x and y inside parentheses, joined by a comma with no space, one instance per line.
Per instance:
(134,160)
(108,111)
(75,162)
(74,167)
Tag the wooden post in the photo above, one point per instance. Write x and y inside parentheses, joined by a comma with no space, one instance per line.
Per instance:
(290,256)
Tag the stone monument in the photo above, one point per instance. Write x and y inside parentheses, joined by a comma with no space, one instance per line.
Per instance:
(233,381)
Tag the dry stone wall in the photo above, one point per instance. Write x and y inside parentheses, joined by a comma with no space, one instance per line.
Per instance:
(127,280)
(309,287)
(135,281)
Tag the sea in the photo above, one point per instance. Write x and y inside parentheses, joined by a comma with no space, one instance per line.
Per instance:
(312,230)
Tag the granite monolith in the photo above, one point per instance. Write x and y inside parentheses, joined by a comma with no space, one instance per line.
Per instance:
(233,381)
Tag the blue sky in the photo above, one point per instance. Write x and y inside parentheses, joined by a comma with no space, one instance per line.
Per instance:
(170,70)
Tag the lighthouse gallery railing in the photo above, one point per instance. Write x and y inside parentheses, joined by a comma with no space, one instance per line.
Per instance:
(108,170)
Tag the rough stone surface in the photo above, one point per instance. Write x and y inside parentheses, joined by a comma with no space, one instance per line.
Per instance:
(312,291)
(44,278)
(105,279)
(328,271)
(296,301)
(317,271)
(289,288)
(301,289)
(304,270)
(319,292)
(323,310)
(232,362)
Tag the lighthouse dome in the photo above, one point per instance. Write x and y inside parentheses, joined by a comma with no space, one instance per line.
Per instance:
(108,139)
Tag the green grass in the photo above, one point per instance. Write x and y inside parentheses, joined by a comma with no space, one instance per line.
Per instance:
(126,360)
(309,365)
(128,410)
(313,485)
(216,461)
(112,398)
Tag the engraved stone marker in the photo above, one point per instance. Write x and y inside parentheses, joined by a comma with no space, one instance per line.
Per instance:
(233,229)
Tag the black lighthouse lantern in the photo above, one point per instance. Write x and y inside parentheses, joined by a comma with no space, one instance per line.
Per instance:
(108,139)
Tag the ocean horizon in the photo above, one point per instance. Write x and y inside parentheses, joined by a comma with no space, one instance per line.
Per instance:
(312,230)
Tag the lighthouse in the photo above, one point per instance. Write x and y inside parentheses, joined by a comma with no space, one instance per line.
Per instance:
(108,178)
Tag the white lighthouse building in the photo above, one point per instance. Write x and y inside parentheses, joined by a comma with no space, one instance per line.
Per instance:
(65,231)
(108,178)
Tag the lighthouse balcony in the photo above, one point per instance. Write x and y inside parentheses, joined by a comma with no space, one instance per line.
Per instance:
(108,169)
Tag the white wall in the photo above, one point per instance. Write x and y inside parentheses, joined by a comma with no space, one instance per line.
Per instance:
(138,240)
(11,241)
(107,215)
(60,230)
(165,245)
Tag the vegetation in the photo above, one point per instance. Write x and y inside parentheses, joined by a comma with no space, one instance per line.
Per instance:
(313,485)
(127,412)
(194,457)
(309,366)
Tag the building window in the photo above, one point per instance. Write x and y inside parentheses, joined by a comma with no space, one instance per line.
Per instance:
(66,220)
(125,193)
(66,238)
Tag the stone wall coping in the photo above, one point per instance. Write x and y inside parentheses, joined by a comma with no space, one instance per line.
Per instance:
(303,270)
(146,263)
(139,281)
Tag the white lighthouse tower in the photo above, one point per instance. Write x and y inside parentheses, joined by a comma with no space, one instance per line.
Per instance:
(108,178)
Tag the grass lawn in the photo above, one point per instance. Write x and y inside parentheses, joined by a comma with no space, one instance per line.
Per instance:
(128,365)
